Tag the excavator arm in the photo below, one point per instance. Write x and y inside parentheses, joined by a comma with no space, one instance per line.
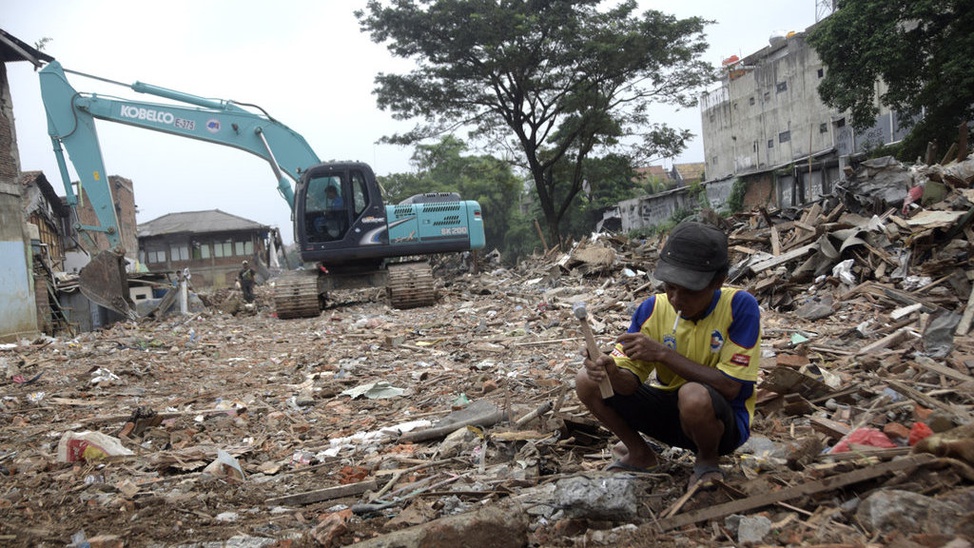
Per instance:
(71,115)
(71,125)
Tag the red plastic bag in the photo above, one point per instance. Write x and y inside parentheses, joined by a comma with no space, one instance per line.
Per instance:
(863,436)
(918,432)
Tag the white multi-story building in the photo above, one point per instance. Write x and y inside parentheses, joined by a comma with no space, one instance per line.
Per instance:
(767,123)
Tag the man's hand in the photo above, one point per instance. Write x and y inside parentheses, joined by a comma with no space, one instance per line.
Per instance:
(623,380)
(598,369)
(640,347)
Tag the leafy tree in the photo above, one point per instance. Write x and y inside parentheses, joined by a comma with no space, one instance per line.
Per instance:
(550,82)
(920,49)
(608,180)
(399,186)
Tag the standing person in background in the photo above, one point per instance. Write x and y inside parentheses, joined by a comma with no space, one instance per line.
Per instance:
(247,278)
(702,341)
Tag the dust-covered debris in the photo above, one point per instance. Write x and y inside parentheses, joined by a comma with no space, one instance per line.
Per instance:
(457,424)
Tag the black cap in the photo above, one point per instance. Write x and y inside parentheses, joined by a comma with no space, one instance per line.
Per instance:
(693,253)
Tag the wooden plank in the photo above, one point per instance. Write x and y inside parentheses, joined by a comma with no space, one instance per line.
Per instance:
(489,418)
(744,250)
(931,365)
(804,489)
(775,242)
(905,311)
(761,266)
(829,427)
(328,493)
(835,213)
(928,401)
(805,227)
(893,339)
(812,214)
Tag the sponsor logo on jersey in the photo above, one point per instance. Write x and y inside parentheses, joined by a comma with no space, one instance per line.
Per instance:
(669,341)
(742,360)
(716,341)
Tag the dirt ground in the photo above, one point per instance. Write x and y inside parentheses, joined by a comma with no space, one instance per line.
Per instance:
(227,415)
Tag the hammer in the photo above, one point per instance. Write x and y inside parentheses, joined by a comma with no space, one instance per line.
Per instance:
(593,349)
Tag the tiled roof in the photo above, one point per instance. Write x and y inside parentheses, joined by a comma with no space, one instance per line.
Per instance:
(212,220)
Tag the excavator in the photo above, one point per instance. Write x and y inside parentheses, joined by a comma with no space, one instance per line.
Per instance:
(341,224)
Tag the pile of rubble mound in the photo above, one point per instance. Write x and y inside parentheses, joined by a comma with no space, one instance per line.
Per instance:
(457,424)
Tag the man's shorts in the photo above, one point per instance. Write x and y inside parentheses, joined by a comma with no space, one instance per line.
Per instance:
(654,412)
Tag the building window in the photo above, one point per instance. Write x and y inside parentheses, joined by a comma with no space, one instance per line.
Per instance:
(823,128)
(222,249)
(782,86)
(244,248)
(153,256)
(767,96)
(201,251)
(840,122)
(179,252)
(750,101)
(770,143)
(754,146)
(821,73)
(784,136)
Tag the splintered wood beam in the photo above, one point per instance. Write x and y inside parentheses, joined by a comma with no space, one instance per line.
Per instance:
(319,495)
(928,401)
(809,488)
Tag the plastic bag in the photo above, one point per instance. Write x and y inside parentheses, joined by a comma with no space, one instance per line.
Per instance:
(863,436)
(89,446)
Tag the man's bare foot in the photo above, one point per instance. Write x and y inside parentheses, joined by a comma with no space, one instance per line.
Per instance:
(644,459)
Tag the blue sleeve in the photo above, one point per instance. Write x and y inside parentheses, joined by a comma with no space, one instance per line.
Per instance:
(745,327)
(642,314)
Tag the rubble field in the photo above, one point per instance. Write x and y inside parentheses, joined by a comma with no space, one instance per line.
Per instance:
(457,424)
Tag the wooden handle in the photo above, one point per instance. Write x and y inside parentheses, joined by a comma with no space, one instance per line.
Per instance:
(605,386)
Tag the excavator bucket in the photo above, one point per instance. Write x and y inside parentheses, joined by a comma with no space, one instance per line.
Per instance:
(104,282)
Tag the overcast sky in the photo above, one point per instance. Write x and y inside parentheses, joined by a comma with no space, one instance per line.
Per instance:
(304,61)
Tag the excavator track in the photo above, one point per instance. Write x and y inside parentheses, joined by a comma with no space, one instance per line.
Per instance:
(410,285)
(296,295)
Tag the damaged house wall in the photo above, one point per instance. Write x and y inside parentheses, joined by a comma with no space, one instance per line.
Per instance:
(123,194)
(45,210)
(47,219)
(19,318)
(657,209)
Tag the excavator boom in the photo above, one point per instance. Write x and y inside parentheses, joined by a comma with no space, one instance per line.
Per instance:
(71,125)
(71,116)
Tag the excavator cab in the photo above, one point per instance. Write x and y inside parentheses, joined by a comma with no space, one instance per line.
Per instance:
(326,217)
(339,215)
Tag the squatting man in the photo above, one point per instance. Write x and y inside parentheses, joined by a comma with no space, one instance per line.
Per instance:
(700,342)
